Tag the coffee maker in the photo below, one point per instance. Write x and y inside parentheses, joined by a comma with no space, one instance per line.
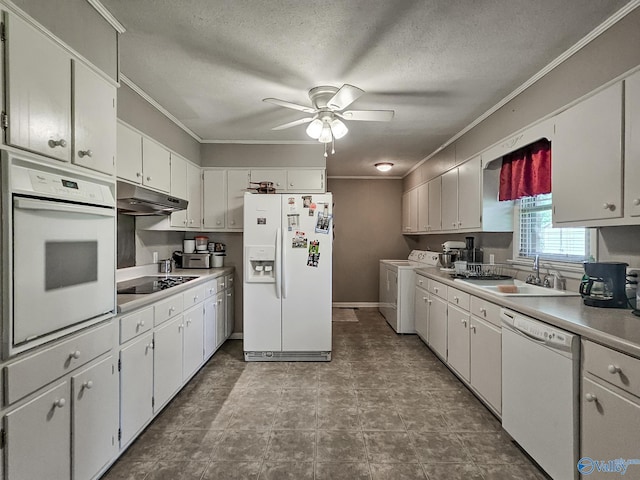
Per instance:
(470,253)
(604,284)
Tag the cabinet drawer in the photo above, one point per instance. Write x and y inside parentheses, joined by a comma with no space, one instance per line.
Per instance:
(210,288)
(486,310)
(163,311)
(135,324)
(29,374)
(422,282)
(438,289)
(614,367)
(458,298)
(228,279)
(193,296)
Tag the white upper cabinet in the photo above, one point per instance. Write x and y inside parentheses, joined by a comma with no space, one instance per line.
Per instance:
(587,159)
(129,154)
(450,200)
(178,188)
(277,177)
(38,91)
(214,201)
(156,165)
(237,185)
(194,196)
(632,146)
(469,200)
(423,207)
(303,181)
(434,205)
(94,120)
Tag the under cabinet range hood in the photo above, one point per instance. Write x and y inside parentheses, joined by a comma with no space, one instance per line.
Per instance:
(138,200)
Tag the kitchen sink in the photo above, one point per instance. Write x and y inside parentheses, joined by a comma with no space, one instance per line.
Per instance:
(523,289)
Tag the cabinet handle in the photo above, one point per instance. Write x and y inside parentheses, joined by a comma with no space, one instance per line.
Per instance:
(464,322)
(229,294)
(212,290)
(609,206)
(456,299)
(218,222)
(424,299)
(590,397)
(459,224)
(454,224)
(419,282)
(181,326)
(85,153)
(613,369)
(172,309)
(232,222)
(483,311)
(75,354)
(473,328)
(429,302)
(222,285)
(58,143)
(195,298)
(291,184)
(188,322)
(219,301)
(138,174)
(149,346)
(61,402)
(435,289)
(88,384)
(636,202)
(140,323)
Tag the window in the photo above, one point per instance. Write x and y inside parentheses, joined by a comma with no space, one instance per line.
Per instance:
(538,237)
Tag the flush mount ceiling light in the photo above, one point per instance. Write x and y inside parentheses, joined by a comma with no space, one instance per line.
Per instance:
(384,166)
(329,103)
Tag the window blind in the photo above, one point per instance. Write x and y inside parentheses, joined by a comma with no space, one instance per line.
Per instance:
(538,237)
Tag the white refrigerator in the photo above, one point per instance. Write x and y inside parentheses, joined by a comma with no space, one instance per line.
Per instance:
(288,240)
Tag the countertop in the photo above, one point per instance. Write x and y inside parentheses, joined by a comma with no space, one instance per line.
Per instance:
(130,302)
(613,327)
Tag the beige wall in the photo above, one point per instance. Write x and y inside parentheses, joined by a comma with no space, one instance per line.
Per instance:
(367,225)
(80,26)
(137,112)
(262,155)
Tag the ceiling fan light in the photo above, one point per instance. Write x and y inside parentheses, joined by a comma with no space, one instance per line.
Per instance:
(384,166)
(315,128)
(325,136)
(338,128)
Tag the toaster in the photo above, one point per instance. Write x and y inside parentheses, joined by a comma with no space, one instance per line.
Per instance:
(196,260)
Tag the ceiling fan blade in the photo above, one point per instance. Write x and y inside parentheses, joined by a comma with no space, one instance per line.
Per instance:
(368,115)
(293,124)
(345,97)
(294,106)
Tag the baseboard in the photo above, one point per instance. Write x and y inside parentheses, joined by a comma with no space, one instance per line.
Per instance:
(236,336)
(355,304)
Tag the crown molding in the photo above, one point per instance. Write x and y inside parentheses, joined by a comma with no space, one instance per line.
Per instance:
(595,33)
(353,177)
(127,81)
(107,15)
(265,142)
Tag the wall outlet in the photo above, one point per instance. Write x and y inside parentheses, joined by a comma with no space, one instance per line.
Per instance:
(155,257)
(492,259)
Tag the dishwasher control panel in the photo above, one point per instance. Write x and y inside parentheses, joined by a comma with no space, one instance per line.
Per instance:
(537,330)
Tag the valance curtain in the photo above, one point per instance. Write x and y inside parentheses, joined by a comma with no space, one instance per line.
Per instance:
(526,172)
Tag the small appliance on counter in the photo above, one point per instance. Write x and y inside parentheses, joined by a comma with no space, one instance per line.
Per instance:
(604,284)
(450,254)
(201,243)
(469,253)
(192,260)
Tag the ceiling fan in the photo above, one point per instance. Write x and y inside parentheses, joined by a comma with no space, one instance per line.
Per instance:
(328,111)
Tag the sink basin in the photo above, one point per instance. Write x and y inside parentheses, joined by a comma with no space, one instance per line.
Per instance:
(523,289)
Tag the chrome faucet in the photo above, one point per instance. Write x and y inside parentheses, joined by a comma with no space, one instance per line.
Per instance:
(535,280)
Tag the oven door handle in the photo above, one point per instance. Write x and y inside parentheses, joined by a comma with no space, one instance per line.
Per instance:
(49,205)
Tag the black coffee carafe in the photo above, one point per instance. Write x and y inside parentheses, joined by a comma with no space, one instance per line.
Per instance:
(604,284)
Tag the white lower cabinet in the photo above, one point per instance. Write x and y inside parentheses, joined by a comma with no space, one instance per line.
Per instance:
(458,344)
(193,341)
(437,338)
(95,418)
(136,387)
(210,326)
(167,361)
(486,361)
(421,312)
(39,437)
(220,323)
(229,312)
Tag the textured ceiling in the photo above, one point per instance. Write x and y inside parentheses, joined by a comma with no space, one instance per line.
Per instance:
(439,64)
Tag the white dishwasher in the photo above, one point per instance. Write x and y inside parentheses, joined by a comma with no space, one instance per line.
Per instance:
(540,375)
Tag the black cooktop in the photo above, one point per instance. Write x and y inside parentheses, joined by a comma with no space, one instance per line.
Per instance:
(145,285)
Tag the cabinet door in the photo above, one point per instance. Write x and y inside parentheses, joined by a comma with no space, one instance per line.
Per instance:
(136,387)
(458,341)
(469,199)
(632,145)
(406,213)
(438,326)
(95,418)
(220,320)
(167,361)
(435,214)
(214,193)
(156,165)
(278,177)
(237,185)
(421,312)
(588,145)
(610,427)
(305,181)
(38,92)
(193,338)
(450,200)
(486,361)
(423,208)
(94,120)
(413,210)
(179,188)
(39,437)
(210,330)
(129,154)
(194,184)
(229,312)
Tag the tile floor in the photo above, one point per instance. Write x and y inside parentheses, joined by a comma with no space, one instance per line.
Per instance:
(383,408)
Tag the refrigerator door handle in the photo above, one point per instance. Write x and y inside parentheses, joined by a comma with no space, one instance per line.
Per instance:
(283,269)
(278,263)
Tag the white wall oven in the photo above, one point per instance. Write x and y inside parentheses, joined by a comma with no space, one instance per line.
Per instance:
(60,246)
